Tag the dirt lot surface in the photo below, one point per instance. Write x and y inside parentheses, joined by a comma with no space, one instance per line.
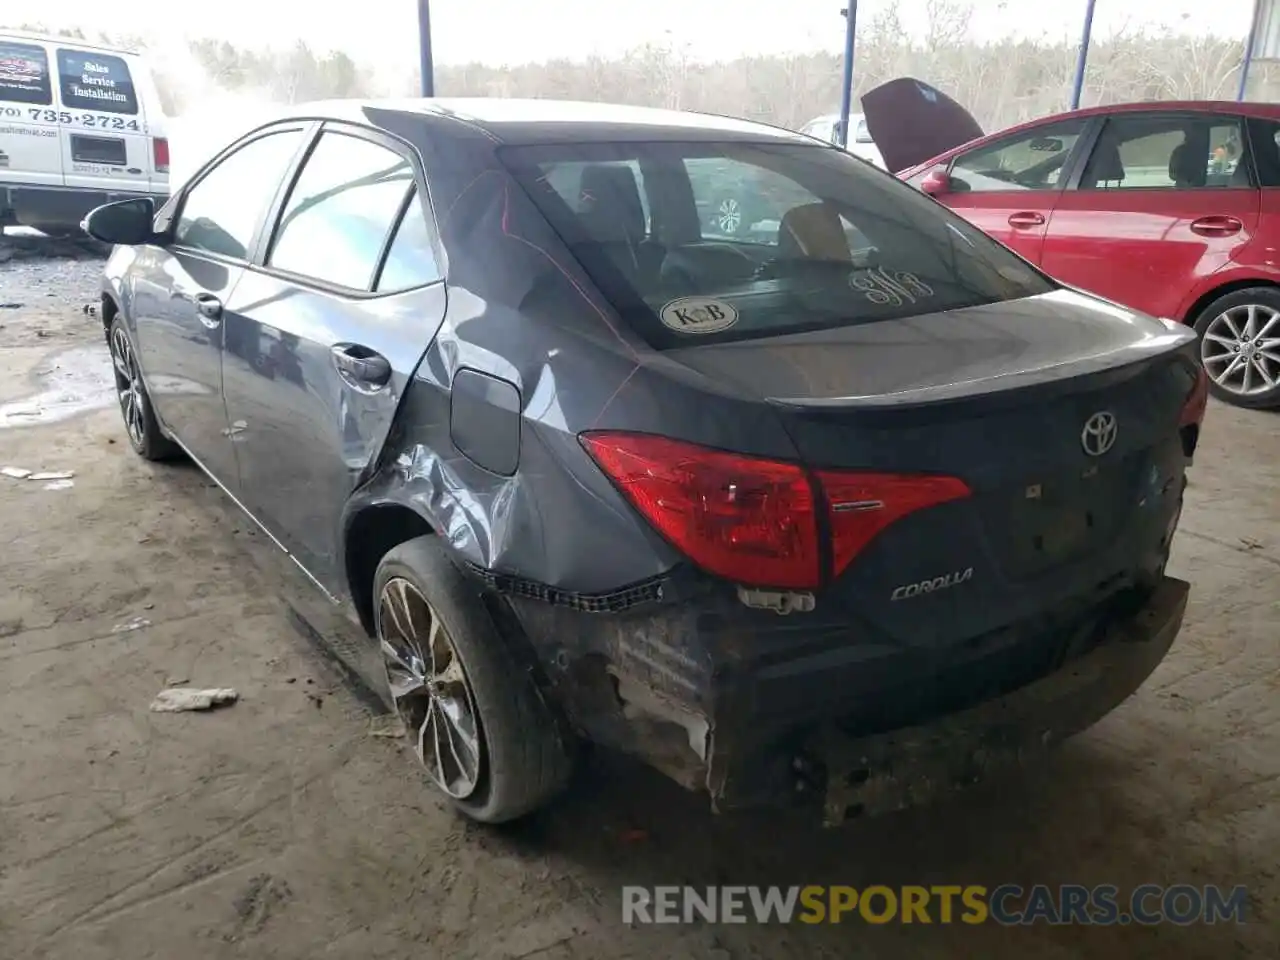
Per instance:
(284,827)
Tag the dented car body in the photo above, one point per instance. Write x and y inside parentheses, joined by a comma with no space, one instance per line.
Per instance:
(823,514)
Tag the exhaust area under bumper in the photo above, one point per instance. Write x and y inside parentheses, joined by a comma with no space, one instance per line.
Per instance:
(863,776)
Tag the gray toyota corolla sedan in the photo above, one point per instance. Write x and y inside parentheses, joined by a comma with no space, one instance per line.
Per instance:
(842,509)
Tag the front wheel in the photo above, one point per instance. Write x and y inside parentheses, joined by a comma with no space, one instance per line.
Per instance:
(1240,347)
(140,423)
(471,709)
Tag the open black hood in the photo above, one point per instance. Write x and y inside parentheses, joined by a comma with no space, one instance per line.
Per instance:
(912,122)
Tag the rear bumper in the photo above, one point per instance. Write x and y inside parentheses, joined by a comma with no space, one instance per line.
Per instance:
(877,774)
(62,207)
(715,700)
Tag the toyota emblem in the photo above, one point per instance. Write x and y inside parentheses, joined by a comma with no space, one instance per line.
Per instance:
(1099,433)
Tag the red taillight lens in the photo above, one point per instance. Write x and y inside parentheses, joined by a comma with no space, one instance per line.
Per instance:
(748,520)
(160,154)
(1197,400)
(860,505)
(755,521)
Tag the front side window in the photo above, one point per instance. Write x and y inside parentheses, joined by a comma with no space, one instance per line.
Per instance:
(1145,151)
(220,213)
(1031,160)
(96,81)
(829,241)
(24,74)
(345,203)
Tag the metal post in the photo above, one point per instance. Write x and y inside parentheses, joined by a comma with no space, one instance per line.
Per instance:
(1082,56)
(1248,50)
(426,64)
(850,14)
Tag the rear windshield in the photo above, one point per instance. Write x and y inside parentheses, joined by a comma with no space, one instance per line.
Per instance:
(712,242)
(24,74)
(96,81)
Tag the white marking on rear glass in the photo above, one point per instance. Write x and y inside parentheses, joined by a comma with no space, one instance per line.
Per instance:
(890,287)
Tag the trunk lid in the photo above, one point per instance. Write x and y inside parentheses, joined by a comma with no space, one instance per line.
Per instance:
(912,122)
(1059,412)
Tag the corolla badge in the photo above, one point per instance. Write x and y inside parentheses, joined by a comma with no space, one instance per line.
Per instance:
(1099,433)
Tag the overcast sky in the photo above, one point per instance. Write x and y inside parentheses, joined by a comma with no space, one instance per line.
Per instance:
(512,31)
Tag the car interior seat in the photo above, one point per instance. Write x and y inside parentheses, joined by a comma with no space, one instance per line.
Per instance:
(613,216)
(813,231)
(1105,166)
(1185,169)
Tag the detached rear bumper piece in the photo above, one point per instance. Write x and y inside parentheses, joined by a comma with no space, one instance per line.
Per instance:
(863,776)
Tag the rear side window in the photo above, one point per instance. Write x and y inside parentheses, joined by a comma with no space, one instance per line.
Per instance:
(1141,151)
(813,239)
(341,210)
(96,81)
(24,74)
(220,213)
(411,259)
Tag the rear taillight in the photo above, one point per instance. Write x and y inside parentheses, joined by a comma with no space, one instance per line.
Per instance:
(755,521)
(160,154)
(1193,412)
(860,505)
(749,520)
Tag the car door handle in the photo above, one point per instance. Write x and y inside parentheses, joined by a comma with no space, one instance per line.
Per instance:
(210,309)
(360,366)
(1026,219)
(1216,226)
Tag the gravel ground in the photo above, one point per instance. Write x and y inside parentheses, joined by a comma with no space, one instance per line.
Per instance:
(44,285)
(285,827)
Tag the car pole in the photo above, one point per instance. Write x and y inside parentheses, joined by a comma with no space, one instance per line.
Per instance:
(426,64)
(1082,56)
(1248,51)
(850,14)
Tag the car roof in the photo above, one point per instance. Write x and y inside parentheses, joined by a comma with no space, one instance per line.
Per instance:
(73,42)
(552,121)
(1232,107)
(1238,108)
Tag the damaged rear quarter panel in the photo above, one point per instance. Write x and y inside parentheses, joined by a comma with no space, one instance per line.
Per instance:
(520,309)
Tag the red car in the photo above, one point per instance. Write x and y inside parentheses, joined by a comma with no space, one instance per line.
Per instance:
(1172,208)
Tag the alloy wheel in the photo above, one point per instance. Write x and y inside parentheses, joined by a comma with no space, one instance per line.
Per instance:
(128,387)
(729,216)
(430,688)
(1241,349)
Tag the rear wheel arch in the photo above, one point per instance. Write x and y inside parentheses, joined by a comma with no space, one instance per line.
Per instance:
(1192,313)
(372,532)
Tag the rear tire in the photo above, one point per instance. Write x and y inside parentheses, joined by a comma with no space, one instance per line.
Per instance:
(1240,347)
(460,687)
(140,424)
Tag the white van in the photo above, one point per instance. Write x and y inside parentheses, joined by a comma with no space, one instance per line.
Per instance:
(80,126)
(860,143)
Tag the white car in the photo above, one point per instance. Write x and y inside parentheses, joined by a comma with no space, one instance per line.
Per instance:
(860,143)
(80,126)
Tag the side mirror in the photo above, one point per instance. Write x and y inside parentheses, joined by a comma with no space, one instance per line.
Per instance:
(125,222)
(936,182)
